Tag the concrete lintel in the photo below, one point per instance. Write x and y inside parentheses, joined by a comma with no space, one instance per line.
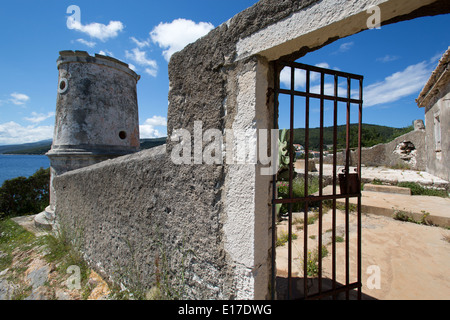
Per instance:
(319,24)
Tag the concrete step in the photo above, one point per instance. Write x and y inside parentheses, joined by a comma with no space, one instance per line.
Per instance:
(391,203)
(45,219)
(29,224)
(386,189)
(436,210)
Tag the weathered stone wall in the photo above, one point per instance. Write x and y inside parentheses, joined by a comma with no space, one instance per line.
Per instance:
(435,98)
(130,210)
(131,213)
(438,161)
(406,151)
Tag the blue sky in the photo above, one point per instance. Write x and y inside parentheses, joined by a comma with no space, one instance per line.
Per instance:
(395,60)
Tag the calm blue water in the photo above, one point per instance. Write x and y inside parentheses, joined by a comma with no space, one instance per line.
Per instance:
(13,166)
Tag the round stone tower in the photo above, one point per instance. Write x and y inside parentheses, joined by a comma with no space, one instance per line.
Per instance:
(96,114)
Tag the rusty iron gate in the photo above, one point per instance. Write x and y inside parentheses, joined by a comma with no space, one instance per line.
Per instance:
(340,93)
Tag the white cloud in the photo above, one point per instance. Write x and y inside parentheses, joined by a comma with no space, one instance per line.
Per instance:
(398,85)
(151,72)
(106,53)
(300,76)
(175,35)
(39,117)
(14,133)
(323,65)
(156,121)
(97,30)
(344,47)
(89,44)
(388,58)
(148,130)
(434,59)
(19,98)
(140,57)
(140,44)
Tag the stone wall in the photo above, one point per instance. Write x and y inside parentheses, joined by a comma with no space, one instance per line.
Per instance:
(139,216)
(435,98)
(438,161)
(406,151)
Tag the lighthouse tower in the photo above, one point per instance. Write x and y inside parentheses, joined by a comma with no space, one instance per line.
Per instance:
(96,116)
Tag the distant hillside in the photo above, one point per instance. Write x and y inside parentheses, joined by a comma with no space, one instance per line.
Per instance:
(371,135)
(39,147)
(151,143)
(42,147)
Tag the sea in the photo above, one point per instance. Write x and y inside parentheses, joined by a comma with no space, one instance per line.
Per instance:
(13,166)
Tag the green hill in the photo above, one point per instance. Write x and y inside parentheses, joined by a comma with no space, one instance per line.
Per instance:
(40,147)
(371,135)
(151,143)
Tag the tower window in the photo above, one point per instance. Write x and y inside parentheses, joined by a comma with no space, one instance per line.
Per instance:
(63,85)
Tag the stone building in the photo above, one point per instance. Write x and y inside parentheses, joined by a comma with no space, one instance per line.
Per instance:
(435,98)
(96,115)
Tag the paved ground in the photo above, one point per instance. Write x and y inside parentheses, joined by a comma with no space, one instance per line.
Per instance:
(388,175)
(413,260)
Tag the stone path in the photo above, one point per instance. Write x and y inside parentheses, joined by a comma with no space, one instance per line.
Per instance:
(31,277)
(413,260)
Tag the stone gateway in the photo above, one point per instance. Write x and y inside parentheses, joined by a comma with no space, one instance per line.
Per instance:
(200,231)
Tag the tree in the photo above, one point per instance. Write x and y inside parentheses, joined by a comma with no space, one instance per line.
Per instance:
(23,196)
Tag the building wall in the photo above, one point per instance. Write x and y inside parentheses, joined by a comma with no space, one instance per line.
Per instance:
(437,121)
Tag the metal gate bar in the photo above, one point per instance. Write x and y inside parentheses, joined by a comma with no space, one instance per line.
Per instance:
(346,193)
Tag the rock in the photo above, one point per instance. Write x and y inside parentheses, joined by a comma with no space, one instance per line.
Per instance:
(41,293)
(101,290)
(4,272)
(62,295)
(418,125)
(38,277)
(6,289)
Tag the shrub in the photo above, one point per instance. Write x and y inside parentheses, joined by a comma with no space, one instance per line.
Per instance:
(418,190)
(283,237)
(23,196)
(298,190)
(312,265)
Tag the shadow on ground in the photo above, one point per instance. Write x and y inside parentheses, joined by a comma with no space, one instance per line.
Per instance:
(313,289)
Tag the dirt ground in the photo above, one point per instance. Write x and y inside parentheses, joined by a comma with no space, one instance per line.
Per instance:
(409,261)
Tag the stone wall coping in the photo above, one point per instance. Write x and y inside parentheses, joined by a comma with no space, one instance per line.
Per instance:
(158,152)
(69,56)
